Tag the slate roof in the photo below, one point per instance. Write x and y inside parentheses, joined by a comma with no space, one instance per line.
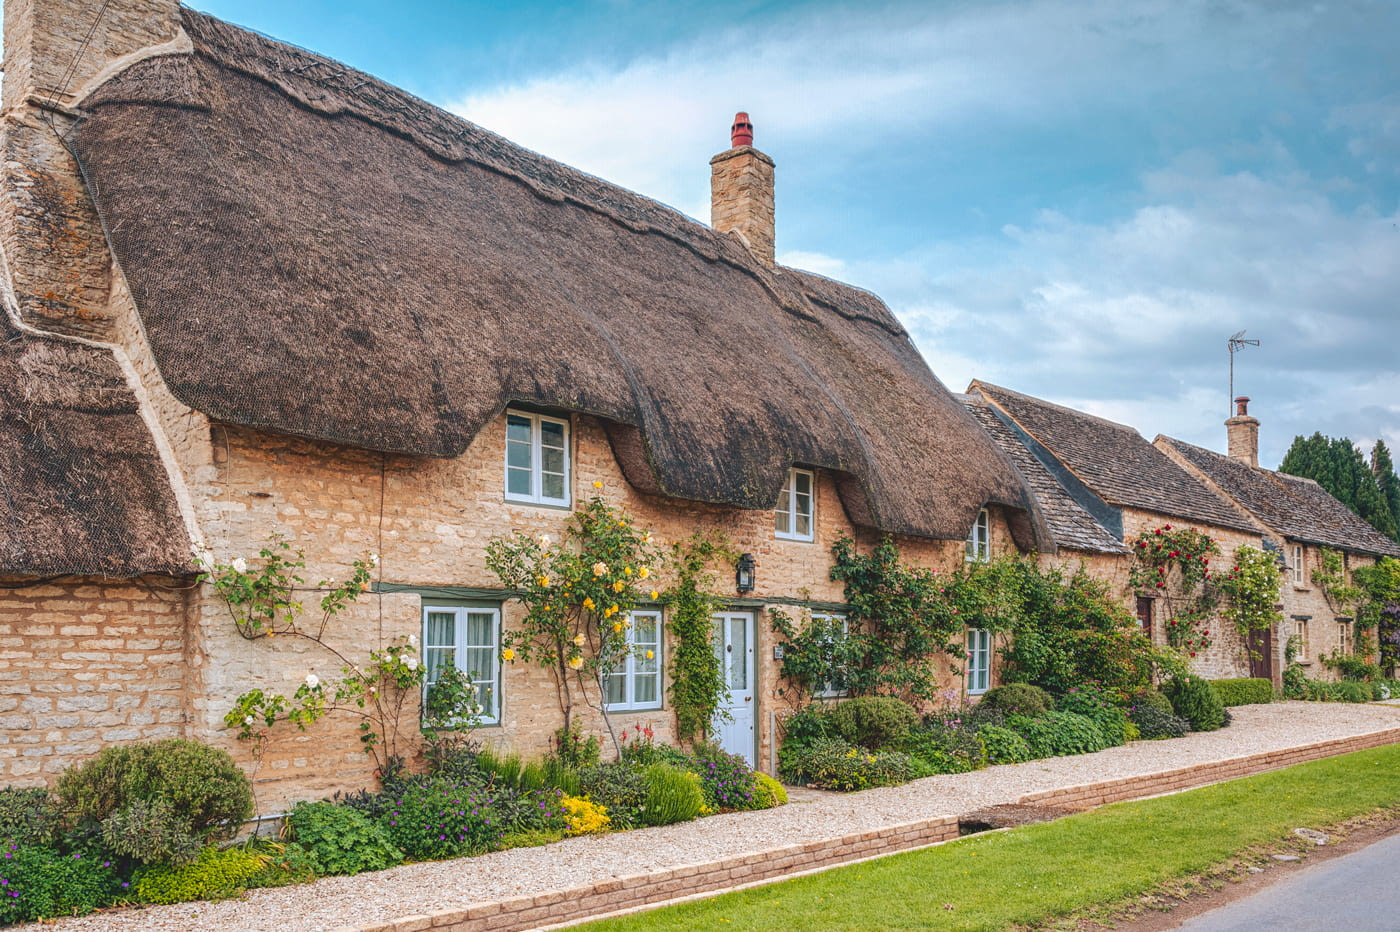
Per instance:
(1070,525)
(317,253)
(82,488)
(1291,506)
(1115,461)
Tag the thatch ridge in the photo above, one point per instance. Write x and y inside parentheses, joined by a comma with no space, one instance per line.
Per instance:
(378,273)
(1291,506)
(82,488)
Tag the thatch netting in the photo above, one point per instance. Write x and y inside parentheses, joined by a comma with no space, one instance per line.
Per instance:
(316,253)
(82,489)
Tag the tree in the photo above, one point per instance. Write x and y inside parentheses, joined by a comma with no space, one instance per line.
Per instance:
(1338,466)
(1383,468)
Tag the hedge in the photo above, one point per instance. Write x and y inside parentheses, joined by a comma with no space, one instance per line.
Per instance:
(1243,691)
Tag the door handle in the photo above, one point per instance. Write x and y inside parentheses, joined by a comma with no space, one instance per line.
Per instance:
(748,698)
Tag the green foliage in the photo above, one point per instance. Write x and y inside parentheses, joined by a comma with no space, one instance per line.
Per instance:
(435,819)
(1339,467)
(286,863)
(532,810)
(873,722)
(341,839)
(1194,700)
(944,744)
(531,838)
(815,653)
(150,832)
(187,788)
(697,687)
(1098,706)
(727,780)
(1383,468)
(577,595)
(619,788)
(574,749)
(213,875)
(28,817)
(673,795)
(1351,668)
(1058,734)
(833,764)
(43,883)
(1379,606)
(1330,575)
(1017,699)
(1243,691)
(1251,590)
(1152,715)
(1174,565)
(770,792)
(1003,745)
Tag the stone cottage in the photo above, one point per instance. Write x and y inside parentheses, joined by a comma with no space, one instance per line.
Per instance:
(251,291)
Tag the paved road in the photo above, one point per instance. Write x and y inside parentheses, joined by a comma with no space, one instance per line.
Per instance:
(1358,892)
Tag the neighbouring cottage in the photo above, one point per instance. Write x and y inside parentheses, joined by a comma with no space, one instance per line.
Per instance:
(1302,521)
(249,290)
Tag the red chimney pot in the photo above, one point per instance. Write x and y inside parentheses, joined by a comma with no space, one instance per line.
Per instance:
(1242,405)
(741,133)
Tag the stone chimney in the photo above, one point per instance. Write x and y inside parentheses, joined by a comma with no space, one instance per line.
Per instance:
(53,242)
(1242,432)
(741,191)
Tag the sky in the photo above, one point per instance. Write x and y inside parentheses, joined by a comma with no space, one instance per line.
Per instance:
(1082,201)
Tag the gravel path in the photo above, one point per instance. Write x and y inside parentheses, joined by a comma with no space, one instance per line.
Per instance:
(411,889)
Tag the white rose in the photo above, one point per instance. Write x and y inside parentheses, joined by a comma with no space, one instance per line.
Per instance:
(312,681)
(374,559)
(239,564)
(248,720)
(413,639)
(544,540)
(411,662)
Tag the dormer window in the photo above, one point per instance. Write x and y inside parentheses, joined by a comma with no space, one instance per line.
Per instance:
(979,539)
(1298,565)
(537,459)
(796,507)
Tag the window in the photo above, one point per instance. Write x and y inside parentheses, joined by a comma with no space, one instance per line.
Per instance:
(979,540)
(1344,644)
(836,628)
(635,682)
(468,639)
(979,660)
(793,519)
(1300,631)
(1144,613)
(537,459)
(1298,565)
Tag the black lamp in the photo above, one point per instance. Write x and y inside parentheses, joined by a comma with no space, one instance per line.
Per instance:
(744,574)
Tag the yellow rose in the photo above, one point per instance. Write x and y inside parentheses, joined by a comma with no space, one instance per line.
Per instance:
(578,640)
(597,485)
(644,572)
(614,608)
(599,568)
(655,595)
(575,662)
(617,626)
(588,604)
(507,655)
(627,570)
(543,581)
(619,586)
(650,655)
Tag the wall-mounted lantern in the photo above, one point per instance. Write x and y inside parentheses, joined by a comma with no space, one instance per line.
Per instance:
(744,574)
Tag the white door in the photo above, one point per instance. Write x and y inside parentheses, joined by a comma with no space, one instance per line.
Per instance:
(735,649)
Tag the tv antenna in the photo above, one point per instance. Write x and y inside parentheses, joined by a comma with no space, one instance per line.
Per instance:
(1236,343)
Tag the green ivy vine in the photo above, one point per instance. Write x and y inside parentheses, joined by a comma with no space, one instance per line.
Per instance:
(697,685)
(1251,590)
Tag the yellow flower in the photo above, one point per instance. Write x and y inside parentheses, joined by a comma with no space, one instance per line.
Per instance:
(608,612)
(599,568)
(619,586)
(507,655)
(588,604)
(597,485)
(617,626)
(578,640)
(650,655)
(547,606)
(627,570)
(646,538)
(614,608)
(644,572)
(543,581)
(575,662)
(655,595)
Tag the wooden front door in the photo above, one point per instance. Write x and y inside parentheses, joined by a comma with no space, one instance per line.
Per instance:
(1261,653)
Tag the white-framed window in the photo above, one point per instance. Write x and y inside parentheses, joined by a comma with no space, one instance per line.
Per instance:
(537,459)
(468,639)
(1298,565)
(979,539)
(794,519)
(979,660)
(634,683)
(1300,631)
(1344,643)
(836,627)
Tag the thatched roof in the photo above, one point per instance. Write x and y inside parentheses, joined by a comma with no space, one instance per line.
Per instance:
(316,253)
(1290,506)
(1114,460)
(82,489)
(1072,525)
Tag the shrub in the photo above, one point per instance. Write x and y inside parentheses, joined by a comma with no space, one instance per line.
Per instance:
(944,746)
(533,838)
(1017,699)
(150,832)
(1154,723)
(834,764)
(561,775)
(1058,734)
(584,817)
(672,795)
(372,804)
(502,769)
(437,819)
(727,779)
(204,789)
(617,787)
(1003,745)
(770,791)
(1151,697)
(1352,691)
(212,875)
(873,722)
(809,724)
(1194,700)
(42,883)
(1096,705)
(536,810)
(1243,691)
(341,839)
(574,750)
(28,817)
(286,863)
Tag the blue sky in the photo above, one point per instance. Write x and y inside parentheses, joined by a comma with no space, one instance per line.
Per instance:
(1078,200)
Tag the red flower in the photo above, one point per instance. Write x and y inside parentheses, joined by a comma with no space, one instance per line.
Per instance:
(1167,527)
(1205,634)
(1158,532)
(1193,653)
(1172,554)
(1161,585)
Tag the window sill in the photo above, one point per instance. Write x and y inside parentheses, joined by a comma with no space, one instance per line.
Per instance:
(556,506)
(794,537)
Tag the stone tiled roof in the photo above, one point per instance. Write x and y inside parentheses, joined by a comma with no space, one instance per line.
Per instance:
(1070,525)
(1115,461)
(1291,506)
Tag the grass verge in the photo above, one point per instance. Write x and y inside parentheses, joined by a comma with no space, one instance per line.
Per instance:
(1039,873)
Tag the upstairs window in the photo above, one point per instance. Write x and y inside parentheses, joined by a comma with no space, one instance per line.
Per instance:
(979,540)
(793,519)
(1298,565)
(537,459)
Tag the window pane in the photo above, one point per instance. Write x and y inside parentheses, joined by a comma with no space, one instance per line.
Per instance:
(802,485)
(478,664)
(644,630)
(552,435)
(439,629)
(782,518)
(552,486)
(646,689)
(552,460)
(518,429)
(435,659)
(614,689)
(518,481)
(518,455)
(804,523)
(739,666)
(481,629)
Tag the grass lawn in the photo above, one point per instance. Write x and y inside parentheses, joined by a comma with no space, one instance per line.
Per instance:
(1043,871)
